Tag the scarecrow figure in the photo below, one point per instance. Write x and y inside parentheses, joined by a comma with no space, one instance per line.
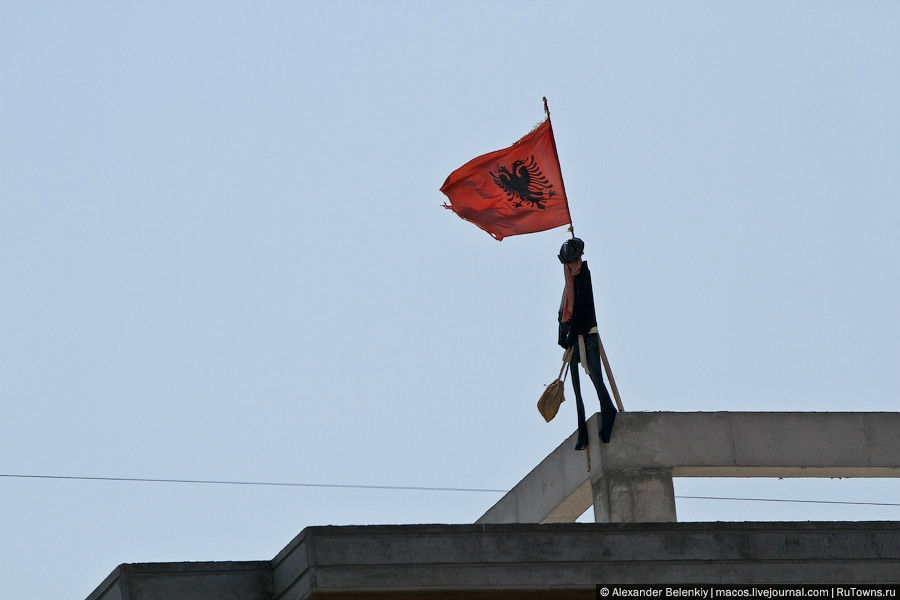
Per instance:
(578,333)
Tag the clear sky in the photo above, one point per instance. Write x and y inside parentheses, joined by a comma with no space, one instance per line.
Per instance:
(222,254)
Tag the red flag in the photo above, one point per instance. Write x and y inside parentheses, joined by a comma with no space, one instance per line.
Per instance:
(512,191)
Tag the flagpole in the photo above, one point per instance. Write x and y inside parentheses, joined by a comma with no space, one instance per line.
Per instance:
(562,183)
(606,367)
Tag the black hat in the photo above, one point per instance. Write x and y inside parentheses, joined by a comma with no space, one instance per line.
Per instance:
(571,250)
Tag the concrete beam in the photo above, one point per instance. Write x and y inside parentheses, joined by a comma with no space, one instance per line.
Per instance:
(696,444)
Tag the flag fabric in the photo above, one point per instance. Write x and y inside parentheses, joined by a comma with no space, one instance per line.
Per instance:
(512,191)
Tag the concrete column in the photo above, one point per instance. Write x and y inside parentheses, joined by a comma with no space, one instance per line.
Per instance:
(630,496)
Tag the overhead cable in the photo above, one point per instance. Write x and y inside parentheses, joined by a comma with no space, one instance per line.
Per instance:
(418,488)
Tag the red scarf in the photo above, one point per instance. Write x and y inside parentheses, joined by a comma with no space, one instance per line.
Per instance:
(570,270)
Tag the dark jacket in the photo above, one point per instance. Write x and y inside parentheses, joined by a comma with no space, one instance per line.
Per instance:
(583,315)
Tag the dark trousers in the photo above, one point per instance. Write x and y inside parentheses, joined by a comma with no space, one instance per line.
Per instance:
(595,366)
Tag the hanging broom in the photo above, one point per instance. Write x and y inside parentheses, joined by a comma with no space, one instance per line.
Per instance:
(553,394)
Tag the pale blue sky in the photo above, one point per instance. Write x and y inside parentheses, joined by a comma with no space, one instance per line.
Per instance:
(222,254)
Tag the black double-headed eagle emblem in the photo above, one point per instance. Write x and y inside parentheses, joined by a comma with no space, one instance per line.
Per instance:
(523,182)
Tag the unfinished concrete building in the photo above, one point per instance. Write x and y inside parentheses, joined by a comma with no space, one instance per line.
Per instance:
(528,546)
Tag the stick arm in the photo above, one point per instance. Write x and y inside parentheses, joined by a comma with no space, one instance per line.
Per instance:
(609,375)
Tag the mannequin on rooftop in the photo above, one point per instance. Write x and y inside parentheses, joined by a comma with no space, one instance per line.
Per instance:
(578,331)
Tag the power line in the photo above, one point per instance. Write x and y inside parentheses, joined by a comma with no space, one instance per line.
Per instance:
(417,488)
(791,500)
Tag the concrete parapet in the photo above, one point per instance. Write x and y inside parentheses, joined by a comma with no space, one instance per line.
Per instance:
(518,561)
(247,580)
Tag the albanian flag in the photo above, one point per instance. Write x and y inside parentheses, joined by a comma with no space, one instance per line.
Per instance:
(512,191)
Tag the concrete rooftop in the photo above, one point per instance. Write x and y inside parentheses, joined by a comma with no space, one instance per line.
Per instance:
(521,561)
(523,547)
